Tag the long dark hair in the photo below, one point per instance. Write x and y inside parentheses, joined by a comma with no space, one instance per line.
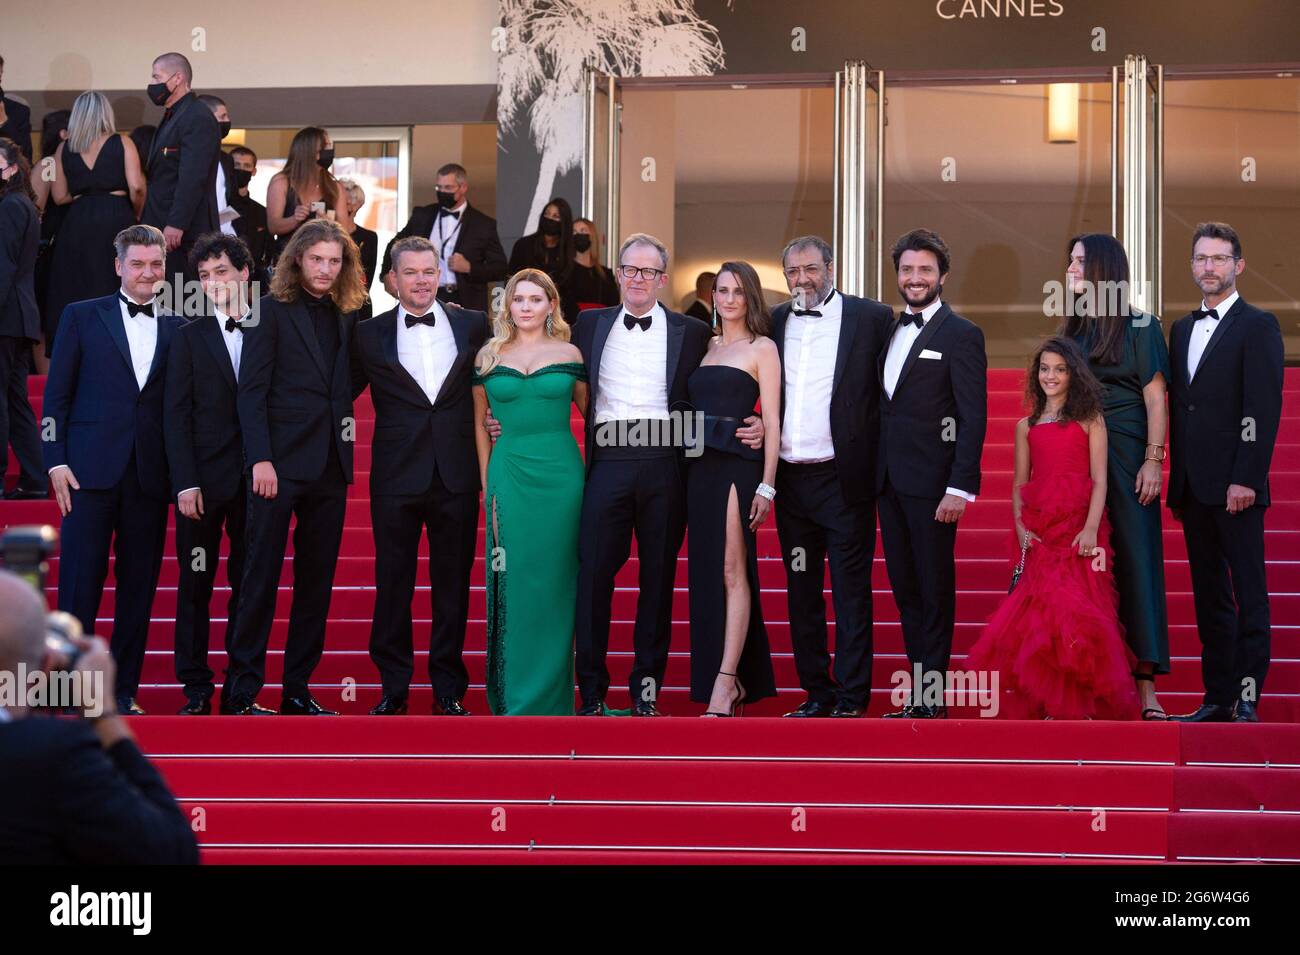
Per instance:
(560,273)
(303,171)
(21,181)
(1083,397)
(757,319)
(54,122)
(1105,266)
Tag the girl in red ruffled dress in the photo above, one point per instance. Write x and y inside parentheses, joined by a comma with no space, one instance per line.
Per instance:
(1056,641)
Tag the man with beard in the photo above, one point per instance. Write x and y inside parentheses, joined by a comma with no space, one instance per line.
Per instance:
(1225,404)
(830,345)
(934,376)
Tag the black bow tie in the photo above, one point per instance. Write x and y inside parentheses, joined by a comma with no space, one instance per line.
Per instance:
(911,318)
(1207,313)
(234,325)
(133,309)
(428,318)
(448,212)
(629,320)
(808,311)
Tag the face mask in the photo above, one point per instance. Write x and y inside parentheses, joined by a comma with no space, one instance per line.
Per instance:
(550,227)
(241,178)
(325,158)
(225,128)
(581,241)
(446,200)
(158,92)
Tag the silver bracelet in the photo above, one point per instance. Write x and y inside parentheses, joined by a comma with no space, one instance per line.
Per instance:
(767,491)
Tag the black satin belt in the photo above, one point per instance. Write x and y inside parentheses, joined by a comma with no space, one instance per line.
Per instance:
(719,433)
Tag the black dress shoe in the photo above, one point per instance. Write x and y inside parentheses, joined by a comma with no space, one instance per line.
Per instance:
(127,706)
(26,494)
(197,706)
(389,706)
(1206,713)
(911,712)
(449,706)
(243,706)
(1245,712)
(847,710)
(303,706)
(810,709)
(645,708)
(593,708)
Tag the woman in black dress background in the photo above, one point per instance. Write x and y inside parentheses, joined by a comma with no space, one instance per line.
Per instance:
(98,172)
(1127,352)
(54,130)
(729,494)
(589,283)
(550,248)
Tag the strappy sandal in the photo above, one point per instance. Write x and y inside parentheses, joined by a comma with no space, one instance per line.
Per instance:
(1160,715)
(738,704)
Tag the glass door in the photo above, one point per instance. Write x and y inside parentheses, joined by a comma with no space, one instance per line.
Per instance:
(600,158)
(859,157)
(1143,205)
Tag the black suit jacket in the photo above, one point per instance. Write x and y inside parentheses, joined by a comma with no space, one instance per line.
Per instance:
(182,170)
(20,239)
(291,405)
(865,327)
(1224,420)
(251,227)
(688,340)
(68,801)
(413,437)
(477,241)
(200,413)
(18,126)
(920,455)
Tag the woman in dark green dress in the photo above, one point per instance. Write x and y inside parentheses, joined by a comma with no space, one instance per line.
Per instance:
(532,496)
(1127,352)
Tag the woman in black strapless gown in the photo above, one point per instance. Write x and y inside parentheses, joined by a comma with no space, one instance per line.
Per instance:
(728,495)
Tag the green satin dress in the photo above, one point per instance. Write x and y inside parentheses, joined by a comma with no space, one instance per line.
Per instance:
(1138,559)
(534,487)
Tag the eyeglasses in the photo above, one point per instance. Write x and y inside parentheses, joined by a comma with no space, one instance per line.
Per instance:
(631,272)
(795,273)
(1219,260)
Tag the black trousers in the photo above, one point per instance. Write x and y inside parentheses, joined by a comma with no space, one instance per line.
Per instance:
(1226,556)
(920,555)
(815,525)
(134,525)
(319,507)
(198,548)
(623,496)
(451,523)
(17,420)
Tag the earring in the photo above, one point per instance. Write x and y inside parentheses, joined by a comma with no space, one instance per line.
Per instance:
(717,325)
(550,323)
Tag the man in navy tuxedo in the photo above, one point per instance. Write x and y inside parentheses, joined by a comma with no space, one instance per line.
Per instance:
(104,450)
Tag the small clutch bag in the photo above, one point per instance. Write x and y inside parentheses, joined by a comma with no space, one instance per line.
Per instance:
(1020,567)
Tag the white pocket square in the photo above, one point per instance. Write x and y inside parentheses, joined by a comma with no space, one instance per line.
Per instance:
(927,353)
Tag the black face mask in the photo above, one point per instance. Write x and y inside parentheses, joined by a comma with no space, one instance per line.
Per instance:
(225,128)
(157,93)
(241,178)
(325,158)
(446,200)
(550,227)
(581,241)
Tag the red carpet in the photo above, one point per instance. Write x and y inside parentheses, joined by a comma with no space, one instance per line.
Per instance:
(423,790)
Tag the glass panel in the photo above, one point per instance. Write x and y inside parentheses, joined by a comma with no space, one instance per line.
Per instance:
(977,164)
(597,187)
(373,166)
(1231,148)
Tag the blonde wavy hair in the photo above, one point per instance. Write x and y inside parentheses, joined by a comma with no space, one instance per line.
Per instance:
(349,291)
(504,330)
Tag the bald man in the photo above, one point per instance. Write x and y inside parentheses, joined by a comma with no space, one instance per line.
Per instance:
(76,791)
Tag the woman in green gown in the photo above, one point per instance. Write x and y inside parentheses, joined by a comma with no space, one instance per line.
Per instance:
(1127,352)
(530,376)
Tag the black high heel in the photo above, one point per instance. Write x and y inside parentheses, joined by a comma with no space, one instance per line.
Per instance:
(739,701)
(1161,716)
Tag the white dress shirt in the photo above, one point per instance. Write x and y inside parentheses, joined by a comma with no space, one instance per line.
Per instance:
(900,346)
(810,347)
(1203,329)
(225,211)
(444,235)
(634,370)
(427,353)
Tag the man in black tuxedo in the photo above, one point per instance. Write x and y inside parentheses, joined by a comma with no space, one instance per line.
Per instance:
(105,454)
(417,359)
(15,119)
(76,791)
(295,413)
(469,250)
(639,356)
(1225,405)
(251,224)
(223,186)
(205,454)
(181,164)
(934,374)
(830,345)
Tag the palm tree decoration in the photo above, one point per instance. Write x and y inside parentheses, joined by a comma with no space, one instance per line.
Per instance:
(549,42)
